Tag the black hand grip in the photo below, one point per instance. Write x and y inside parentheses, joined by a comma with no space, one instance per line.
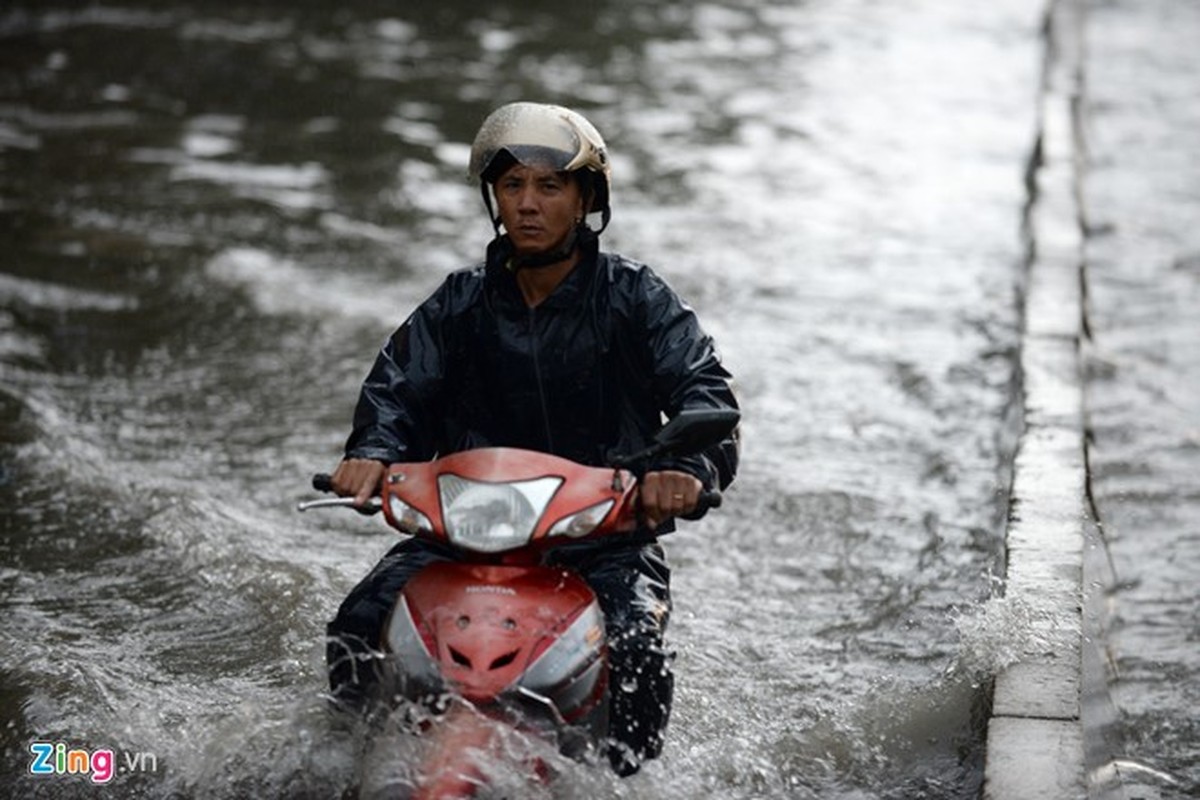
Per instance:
(322,482)
(709,498)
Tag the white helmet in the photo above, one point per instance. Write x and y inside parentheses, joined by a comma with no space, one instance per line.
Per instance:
(544,135)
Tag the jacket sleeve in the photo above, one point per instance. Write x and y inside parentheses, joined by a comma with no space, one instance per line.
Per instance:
(687,374)
(392,419)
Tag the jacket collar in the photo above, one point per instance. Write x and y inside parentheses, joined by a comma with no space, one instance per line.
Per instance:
(570,292)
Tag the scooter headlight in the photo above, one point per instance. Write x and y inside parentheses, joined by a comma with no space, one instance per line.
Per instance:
(492,517)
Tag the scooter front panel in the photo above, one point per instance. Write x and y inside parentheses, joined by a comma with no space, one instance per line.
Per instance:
(484,625)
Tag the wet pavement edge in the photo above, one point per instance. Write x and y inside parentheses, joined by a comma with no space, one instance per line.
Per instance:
(1040,735)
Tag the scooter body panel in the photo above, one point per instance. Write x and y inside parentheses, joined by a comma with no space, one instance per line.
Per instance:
(524,639)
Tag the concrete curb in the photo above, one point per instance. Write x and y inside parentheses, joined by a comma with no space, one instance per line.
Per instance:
(1054,731)
(1036,741)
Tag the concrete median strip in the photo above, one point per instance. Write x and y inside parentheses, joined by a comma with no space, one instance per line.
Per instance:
(1036,739)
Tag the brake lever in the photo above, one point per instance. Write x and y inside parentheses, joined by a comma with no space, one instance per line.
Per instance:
(373,506)
(323,482)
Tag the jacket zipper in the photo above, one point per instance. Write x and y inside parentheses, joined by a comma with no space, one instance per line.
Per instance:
(537,373)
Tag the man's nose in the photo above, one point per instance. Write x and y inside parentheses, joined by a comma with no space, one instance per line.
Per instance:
(526,199)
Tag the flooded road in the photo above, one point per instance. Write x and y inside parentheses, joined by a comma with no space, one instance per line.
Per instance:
(1142,200)
(210,218)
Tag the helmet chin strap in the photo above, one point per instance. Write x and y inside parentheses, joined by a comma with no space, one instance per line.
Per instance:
(539,260)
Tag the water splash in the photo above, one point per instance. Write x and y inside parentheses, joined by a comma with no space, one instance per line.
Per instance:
(1002,631)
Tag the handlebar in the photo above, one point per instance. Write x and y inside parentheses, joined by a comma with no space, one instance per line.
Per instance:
(323,482)
(709,498)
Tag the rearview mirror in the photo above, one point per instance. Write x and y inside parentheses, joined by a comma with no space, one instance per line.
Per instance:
(694,429)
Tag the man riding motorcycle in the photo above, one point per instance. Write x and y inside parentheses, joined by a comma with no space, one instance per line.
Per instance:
(553,345)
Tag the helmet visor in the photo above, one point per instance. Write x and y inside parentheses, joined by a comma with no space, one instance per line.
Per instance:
(531,134)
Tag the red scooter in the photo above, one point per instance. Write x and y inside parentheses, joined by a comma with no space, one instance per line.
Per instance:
(497,636)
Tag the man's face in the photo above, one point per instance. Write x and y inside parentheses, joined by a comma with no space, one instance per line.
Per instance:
(538,207)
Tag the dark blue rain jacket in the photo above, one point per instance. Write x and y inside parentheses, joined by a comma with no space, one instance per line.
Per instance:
(586,374)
